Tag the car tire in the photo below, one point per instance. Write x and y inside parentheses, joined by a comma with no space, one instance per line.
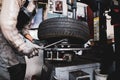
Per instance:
(62,27)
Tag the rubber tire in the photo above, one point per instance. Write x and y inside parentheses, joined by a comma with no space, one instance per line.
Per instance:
(63,27)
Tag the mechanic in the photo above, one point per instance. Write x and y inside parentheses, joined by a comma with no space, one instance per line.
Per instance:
(13,47)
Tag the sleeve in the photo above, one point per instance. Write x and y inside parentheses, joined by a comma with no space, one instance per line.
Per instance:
(9,13)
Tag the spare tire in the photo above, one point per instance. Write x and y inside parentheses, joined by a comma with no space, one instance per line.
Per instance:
(62,27)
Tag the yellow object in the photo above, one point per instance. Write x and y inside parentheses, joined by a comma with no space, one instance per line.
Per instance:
(29,37)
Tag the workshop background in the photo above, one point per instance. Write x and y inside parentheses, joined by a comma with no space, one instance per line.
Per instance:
(69,72)
(86,67)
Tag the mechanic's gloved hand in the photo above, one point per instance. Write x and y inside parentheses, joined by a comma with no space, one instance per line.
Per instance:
(34,53)
(29,49)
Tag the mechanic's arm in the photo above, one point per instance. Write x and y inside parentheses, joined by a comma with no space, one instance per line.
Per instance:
(29,37)
(25,32)
(9,13)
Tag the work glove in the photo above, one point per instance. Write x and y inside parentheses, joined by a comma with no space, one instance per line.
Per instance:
(29,49)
